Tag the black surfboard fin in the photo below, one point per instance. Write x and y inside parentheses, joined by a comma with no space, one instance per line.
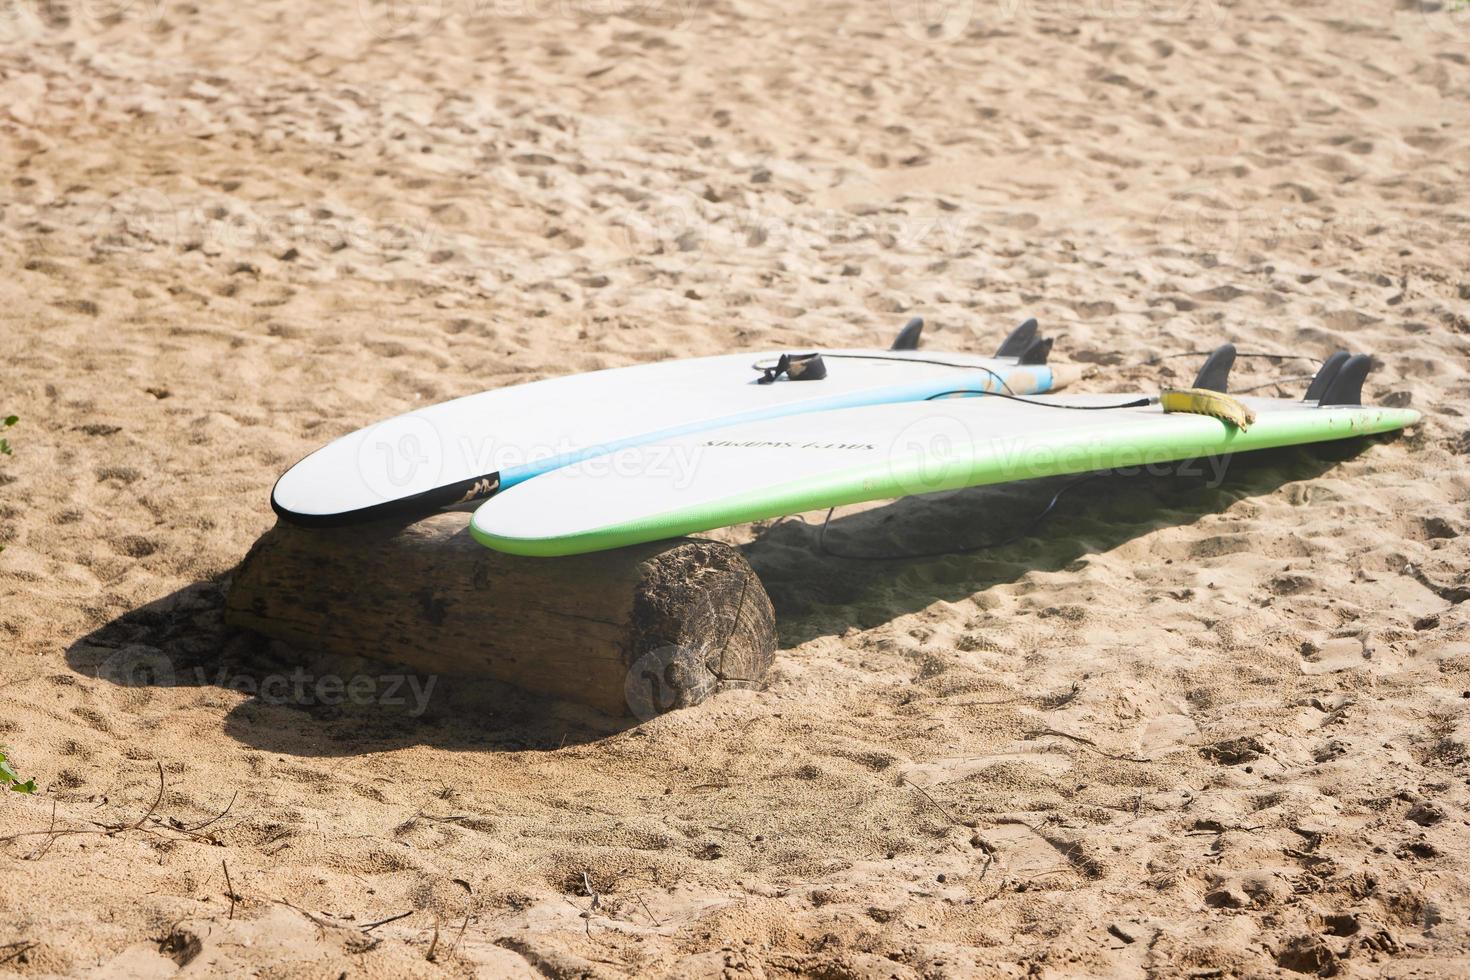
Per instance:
(1347,386)
(1215,375)
(1037,352)
(908,337)
(1325,374)
(1018,340)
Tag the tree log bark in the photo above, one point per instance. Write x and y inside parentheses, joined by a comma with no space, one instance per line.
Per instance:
(639,630)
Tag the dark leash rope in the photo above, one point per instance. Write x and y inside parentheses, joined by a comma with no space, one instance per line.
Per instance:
(999,379)
(1136,403)
(1206,353)
(1269,384)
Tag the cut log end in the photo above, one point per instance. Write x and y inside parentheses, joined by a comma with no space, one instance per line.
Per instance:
(701,623)
(640,630)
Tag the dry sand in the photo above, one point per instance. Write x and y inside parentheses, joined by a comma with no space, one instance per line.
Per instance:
(1182,730)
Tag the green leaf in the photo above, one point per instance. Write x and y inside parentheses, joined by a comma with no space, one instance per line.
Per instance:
(29,786)
(7,774)
(11,420)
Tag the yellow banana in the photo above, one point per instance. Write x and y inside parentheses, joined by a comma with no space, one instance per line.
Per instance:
(1202,401)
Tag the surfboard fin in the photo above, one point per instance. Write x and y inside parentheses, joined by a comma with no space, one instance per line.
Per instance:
(1018,340)
(1037,352)
(1325,374)
(908,337)
(1215,375)
(1346,387)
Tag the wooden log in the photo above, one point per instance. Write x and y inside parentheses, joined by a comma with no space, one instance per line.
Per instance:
(639,630)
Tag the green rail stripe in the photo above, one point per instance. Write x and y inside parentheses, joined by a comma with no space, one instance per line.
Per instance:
(1165,439)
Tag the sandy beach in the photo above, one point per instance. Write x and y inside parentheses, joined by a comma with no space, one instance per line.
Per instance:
(1206,725)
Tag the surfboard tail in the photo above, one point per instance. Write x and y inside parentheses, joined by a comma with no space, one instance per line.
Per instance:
(403,508)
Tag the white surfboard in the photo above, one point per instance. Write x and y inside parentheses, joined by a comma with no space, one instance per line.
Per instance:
(478,445)
(698,481)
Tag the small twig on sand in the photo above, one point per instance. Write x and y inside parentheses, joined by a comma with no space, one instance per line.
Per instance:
(50,839)
(156,800)
(383,922)
(198,827)
(1054,701)
(460,937)
(229,888)
(433,943)
(596,902)
(52,834)
(654,918)
(937,805)
(586,914)
(1049,702)
(16,949)
(596,898)
(1090,744)
(319,922)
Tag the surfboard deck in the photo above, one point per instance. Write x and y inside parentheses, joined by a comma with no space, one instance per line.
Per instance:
(475,446)
(737,474)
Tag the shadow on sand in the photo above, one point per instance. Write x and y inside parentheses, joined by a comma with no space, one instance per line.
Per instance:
(817,594)
(305,704)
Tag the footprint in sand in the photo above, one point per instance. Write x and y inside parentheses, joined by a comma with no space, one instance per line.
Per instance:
(1331,656)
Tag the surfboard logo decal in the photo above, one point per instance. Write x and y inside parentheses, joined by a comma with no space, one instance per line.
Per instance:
(482,487)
